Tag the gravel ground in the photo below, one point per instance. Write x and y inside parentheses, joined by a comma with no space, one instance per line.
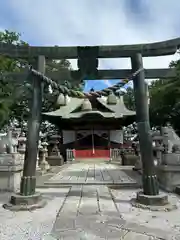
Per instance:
(167,221)
(30,225)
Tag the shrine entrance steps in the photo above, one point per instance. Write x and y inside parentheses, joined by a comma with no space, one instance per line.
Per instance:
(94,173)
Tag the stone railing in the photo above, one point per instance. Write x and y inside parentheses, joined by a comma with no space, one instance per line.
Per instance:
(115,155)
(70,154)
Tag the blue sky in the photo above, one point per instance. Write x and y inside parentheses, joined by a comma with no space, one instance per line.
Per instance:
(92,22)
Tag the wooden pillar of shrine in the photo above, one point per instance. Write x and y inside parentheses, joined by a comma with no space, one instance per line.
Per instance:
(150,183)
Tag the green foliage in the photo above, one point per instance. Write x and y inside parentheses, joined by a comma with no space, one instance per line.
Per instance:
(14,96)
(165,99)
(9,90)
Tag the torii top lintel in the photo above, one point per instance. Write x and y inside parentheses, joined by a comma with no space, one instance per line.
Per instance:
(168,47)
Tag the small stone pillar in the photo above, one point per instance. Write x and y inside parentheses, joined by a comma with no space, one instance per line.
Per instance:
(138,164)
(22,145)
(165,138)
(14,141)
(44,165)
(9,142)
(158,149)
(38,152)
(3,148)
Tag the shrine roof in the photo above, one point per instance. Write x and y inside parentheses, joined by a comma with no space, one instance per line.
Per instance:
(73,109)
(119,108)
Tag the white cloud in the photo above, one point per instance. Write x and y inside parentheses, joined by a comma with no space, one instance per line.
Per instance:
(92,22)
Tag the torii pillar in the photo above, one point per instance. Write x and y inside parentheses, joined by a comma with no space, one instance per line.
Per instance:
(150,194)
(28,198)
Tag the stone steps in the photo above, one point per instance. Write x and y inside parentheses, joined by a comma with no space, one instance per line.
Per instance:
(120,185)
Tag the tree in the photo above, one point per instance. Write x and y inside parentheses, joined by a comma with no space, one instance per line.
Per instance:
(9,90)
(14,96)
(165,100)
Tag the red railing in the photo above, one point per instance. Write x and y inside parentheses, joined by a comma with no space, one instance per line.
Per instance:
(89,153)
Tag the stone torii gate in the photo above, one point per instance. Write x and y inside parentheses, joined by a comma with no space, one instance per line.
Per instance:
(88,69)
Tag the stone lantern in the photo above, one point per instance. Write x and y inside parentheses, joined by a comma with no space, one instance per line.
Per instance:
(55,158)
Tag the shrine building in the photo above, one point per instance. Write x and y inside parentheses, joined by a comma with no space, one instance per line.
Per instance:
(91,126)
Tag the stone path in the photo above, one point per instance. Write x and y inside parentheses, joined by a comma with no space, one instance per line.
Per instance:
(92,173)
(96,212)
(91,213)
(87,208)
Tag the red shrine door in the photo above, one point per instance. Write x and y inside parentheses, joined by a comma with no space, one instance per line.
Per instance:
(92,144)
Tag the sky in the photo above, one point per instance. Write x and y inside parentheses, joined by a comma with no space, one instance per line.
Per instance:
(92,22)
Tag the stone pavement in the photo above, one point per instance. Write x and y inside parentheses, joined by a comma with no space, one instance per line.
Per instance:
(92,173)
(97,212)
(89,212)
(85,211)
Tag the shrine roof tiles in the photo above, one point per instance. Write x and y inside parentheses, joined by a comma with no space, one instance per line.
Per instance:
(65,110)
(71,110)
(118,108)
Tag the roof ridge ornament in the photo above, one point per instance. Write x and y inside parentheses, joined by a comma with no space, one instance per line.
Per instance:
(111,99)
(61,100)
(86,105)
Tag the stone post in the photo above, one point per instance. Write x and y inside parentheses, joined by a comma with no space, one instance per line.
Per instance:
(28,198)
(9,144)
(44,165)
(150,183)
(138,164)
(158,148)
(164,133)
(22,145)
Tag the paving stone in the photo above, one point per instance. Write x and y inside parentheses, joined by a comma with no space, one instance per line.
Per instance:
(106,203)
(90,173)
(155,232)
(68,234)
(91,211)
(49,237)
(64,223)
(137,236)
(99,228)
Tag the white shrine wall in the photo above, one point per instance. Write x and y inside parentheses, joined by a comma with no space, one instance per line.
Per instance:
(116,136)
(68,136)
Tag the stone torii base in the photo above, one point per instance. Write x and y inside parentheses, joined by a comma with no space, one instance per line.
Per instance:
(154,203)
(25,203)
